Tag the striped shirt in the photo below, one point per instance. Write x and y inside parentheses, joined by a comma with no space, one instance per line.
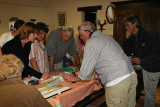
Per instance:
(39,52)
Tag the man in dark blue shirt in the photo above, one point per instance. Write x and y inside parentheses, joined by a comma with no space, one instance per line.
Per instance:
(145,45)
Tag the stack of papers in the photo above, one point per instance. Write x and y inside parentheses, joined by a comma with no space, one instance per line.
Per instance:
(53,80)
(53,90)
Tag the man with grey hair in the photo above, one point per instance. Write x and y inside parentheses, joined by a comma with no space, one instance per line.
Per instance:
(59,43)
(104,55)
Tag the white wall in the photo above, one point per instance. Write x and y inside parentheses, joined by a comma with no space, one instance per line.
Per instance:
(48,12)
(74,17)
(22,11)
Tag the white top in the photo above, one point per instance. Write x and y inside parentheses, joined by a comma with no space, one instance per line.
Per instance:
(5,37)
(39,52)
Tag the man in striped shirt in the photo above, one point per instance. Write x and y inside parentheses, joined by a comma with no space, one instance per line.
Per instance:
(38,54)
(104,55)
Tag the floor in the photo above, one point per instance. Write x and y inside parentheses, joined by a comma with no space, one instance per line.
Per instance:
(100,101)
(98,98)
(141,99)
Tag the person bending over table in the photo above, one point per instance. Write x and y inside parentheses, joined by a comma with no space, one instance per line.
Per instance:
(38,54)
(59,43)
(13,92)
(103,53)
(21,45)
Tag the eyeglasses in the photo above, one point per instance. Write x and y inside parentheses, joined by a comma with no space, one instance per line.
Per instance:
(85,30)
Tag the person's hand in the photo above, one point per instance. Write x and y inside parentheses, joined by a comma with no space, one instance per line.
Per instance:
(55,73)
(96,79)
(77,66)
(136,60)
(45,75)
(128,34)
(70,77)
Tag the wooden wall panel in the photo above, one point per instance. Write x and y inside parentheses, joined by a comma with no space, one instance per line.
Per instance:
(149,13)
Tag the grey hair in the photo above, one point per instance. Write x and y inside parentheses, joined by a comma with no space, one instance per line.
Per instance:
(68,29)
(88,26)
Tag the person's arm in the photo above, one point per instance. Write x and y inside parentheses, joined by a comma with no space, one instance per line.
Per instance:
(128,34)
(70,77)
(96,79)
(1,53)
(127,45)
(51,47)
(32,57)
(73,51)
(51,63)
(51,67)
(34,65)
(31,72)
(76,58)
(1,44)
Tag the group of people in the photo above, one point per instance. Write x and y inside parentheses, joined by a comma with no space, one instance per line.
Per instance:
(28,46)
(25,55)
(113,65)
(25,45)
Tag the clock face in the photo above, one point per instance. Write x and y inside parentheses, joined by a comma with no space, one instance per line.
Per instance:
(110,14)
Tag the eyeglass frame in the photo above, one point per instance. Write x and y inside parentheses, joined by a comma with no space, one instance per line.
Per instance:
(85,30)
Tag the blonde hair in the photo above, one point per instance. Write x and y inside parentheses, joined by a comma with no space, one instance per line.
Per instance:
(26,29)
(10,67)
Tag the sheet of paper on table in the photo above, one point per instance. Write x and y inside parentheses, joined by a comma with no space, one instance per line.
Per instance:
(53,90)
(53,80)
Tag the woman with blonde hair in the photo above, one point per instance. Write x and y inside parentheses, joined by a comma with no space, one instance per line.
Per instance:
(21,46)
(13,92)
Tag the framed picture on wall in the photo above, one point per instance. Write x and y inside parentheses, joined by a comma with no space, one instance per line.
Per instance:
(62,18)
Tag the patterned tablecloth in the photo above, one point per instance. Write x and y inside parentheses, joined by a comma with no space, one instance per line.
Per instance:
(78,92)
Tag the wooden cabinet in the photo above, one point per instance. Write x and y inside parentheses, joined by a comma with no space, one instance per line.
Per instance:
(149,13)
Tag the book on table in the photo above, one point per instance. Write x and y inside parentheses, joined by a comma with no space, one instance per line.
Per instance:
(53,90)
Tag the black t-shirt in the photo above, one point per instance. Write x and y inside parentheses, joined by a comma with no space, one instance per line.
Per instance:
(14,46)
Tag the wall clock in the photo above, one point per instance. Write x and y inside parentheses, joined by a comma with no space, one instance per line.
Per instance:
(110,14)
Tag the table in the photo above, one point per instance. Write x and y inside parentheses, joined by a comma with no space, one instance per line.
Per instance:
(79,91)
